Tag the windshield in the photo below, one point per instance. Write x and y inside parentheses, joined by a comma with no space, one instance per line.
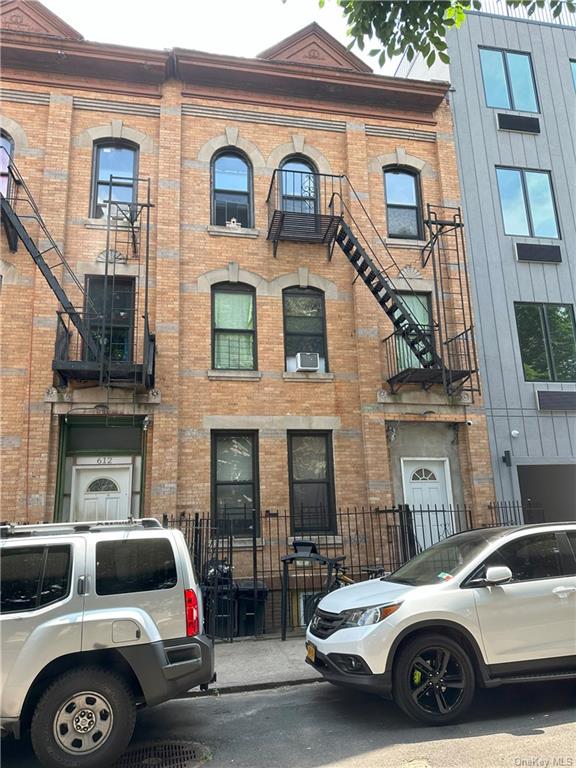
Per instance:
(444,560)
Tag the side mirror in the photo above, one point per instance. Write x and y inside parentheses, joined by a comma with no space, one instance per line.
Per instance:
(498,574)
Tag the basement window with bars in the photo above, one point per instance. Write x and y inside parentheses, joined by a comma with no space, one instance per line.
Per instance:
(231,189)
(235,483)
(304,325)
(233,327)
(547,337)
(118,160)
(311,470)
(402,190)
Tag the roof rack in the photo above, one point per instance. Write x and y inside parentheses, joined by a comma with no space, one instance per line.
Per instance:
(12,530)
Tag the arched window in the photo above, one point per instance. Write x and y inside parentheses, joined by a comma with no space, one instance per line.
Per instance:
(231,189)
(299,186)
(6,152)
(119,160)
(403,203)
(423,475)
(233,327)
(102,484)
(304,327)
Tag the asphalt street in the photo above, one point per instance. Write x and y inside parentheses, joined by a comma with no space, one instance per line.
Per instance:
(317,724)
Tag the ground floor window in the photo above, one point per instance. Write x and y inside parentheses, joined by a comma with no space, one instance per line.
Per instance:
(311,472)
(235,503)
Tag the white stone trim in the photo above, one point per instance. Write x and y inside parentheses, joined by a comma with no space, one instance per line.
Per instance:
(16,133)
(233,273)
(115,129)
(231,138)
(398,157)
(299,146)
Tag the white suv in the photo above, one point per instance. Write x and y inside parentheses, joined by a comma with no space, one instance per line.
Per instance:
(485,607)
(97,619)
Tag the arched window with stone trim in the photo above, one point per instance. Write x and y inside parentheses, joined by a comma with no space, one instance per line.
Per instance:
(6,154)
(231,188)
(114,177)
(403,203)
(299,185)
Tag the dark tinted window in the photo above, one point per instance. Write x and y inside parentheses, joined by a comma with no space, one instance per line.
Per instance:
(33,576)
(572,539)
(134,566)
(532,557)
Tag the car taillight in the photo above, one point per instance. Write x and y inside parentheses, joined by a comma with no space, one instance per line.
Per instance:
(192,617)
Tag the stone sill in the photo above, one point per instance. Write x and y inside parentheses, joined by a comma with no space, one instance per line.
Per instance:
(397,242)
(326,540)
(246,542)
(307,376)
(102,224)
(214,230)
(218,375)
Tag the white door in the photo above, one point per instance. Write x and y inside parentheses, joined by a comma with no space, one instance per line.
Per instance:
(428,493)
(101,492)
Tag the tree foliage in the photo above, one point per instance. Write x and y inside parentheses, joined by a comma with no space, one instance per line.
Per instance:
(419,26)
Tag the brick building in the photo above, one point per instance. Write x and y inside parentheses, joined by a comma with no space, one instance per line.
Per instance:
(228,224)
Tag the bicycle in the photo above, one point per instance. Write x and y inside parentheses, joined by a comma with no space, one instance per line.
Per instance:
(340,578)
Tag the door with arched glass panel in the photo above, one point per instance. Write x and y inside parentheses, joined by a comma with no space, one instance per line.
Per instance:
(428,494)
(101,492)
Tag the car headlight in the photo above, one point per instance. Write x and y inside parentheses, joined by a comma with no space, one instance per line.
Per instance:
(363,617)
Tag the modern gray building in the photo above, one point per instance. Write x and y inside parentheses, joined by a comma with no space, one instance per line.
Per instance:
(514,103)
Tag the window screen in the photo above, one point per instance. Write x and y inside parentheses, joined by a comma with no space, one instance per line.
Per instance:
(135,565)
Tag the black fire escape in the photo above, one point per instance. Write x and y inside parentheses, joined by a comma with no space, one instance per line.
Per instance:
(108,341)
(438,352)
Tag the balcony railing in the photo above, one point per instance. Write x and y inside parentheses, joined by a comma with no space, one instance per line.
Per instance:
(120,351)
(299,206)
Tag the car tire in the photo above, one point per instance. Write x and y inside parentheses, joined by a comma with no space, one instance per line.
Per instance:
(84,719)
(433,679)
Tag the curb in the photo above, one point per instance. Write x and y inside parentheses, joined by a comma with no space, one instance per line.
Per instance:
(251,687)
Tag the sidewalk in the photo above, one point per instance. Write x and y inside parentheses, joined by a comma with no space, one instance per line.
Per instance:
(254,664)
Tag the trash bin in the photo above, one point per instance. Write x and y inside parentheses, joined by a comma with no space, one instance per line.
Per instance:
(251,613)
(220,600)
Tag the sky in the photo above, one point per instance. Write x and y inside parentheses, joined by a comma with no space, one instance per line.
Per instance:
(234,27)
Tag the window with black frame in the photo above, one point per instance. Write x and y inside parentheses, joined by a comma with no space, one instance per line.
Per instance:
(119,160)
(233,327)
(298,179)
(109,313)
(508,80)
(311,472)
(402,190)
(419,306)
(304,325)
(231,189)
(235,500)
(547,337)
(527,202)
(6,152)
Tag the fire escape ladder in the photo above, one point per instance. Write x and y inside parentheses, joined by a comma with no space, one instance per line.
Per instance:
(445,251)
(373,274)
(17,226)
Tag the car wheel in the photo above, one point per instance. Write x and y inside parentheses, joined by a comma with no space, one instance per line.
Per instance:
(83,720)
(433,679)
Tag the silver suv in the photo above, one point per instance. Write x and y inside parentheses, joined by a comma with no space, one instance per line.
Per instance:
(96,619)
(481,608)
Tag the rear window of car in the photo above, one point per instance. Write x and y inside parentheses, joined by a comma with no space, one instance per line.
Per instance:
(32,577)
(134,565)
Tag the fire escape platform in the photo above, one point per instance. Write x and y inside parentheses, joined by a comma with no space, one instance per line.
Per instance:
(302,227)
(73,370)
(427,376)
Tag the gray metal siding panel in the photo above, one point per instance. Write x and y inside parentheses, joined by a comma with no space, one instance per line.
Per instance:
(498,278)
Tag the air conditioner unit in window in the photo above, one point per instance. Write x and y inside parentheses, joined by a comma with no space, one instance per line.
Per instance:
(307,361)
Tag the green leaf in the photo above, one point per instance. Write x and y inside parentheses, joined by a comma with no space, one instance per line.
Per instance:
(444,57)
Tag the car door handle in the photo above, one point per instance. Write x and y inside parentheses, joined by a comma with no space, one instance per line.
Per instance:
(563,591)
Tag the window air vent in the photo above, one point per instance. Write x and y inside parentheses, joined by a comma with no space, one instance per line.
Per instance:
(537,252)
(521,123)
(556,401)
(307,361)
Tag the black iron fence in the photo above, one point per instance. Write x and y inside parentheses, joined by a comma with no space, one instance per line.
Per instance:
(248,588)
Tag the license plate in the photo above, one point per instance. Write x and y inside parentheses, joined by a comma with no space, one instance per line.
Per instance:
(311,652)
